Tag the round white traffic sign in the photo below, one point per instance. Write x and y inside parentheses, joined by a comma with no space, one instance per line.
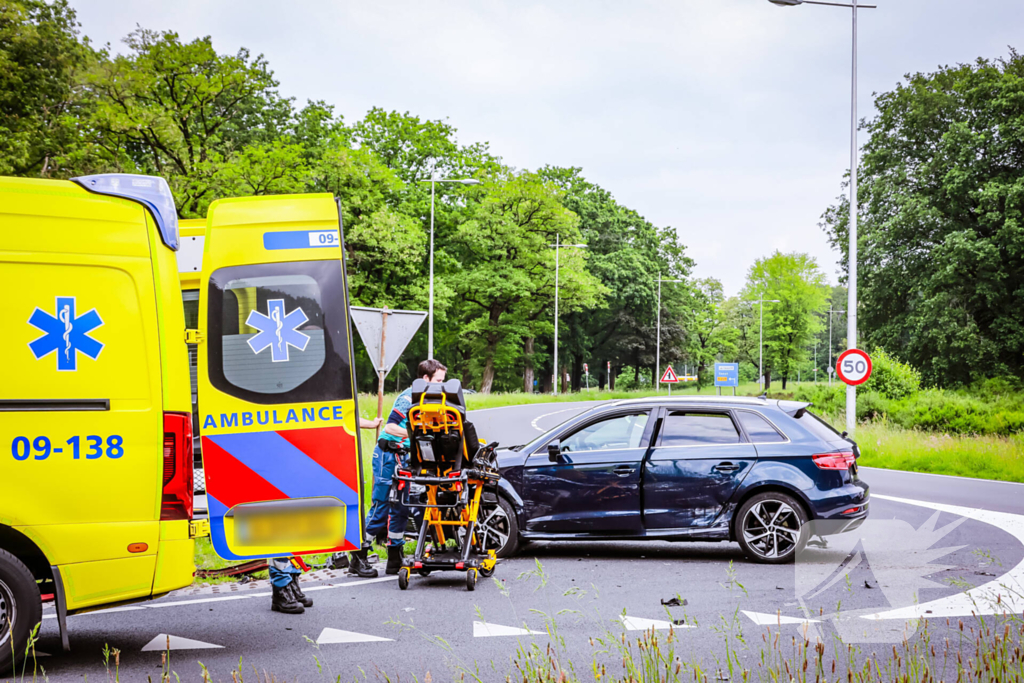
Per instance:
(854,367)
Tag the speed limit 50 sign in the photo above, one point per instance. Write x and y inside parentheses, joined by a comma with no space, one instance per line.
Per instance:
(854,367)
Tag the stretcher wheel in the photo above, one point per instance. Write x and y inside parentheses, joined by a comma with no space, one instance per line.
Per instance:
(471,579)
(403,578)
(487,572)
(424,572)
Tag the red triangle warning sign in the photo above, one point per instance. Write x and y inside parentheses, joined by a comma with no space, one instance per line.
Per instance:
(670,376)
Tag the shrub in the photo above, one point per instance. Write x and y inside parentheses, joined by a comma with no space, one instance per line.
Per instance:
(626,382)
(891,378)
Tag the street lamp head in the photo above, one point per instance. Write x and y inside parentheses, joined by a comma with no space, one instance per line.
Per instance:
(786,3)
(470,181)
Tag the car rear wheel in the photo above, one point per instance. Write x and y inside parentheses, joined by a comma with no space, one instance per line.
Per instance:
(21,609)
(771,528)
(497,528)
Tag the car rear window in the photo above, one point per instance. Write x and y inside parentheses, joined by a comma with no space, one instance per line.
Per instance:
(697,429)
(758,429)
(816,426)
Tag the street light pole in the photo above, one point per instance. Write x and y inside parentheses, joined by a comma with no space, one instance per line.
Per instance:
(830,369)
(657,354)
(851,302)
(433,180)
(557,246)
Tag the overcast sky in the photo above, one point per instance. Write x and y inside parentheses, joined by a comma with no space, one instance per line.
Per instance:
(725,119)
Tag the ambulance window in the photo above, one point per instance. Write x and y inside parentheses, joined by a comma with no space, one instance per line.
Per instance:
(279,332)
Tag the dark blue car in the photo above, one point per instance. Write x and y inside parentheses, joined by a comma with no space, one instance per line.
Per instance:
(767,474)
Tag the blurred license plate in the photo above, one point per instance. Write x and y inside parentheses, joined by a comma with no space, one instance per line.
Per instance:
(294,524)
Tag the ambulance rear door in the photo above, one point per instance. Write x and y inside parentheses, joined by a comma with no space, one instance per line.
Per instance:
(277,399)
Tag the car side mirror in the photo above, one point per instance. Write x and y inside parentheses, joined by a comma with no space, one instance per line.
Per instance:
(554,450)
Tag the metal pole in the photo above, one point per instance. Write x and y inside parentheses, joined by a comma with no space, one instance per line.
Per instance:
(829,344)
(657,354)
(851,306)
(430,320)
(760,347)
(380,368)
(556,376)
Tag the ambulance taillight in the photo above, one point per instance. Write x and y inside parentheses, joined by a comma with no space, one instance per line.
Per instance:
(177,467)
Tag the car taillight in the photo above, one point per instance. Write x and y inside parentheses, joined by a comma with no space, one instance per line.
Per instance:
(842,460)
(176,502)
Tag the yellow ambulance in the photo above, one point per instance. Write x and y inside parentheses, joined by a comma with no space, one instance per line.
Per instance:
(96,412)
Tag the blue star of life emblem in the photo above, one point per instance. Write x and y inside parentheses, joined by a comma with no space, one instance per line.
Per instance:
(277,330)
(65,333)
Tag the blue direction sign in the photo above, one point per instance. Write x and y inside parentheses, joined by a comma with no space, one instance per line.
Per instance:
(727,374)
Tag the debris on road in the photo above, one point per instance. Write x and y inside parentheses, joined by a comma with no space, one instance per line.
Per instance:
(674,602)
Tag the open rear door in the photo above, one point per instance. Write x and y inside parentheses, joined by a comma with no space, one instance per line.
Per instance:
(277,399)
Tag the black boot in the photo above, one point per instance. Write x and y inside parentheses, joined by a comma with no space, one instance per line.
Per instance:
(358,565)
(297,593)
(395,555)
(284,601)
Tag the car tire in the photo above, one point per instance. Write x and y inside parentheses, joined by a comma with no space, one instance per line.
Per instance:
(771,528)
(498,520)
(21,609)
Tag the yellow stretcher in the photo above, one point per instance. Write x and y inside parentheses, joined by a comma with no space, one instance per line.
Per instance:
(446,457)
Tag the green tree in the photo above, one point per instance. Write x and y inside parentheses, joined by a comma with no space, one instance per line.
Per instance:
(507,268)
(627,254)
(41,104)
(800,288)
(182,111)
(710,337)
(941,238)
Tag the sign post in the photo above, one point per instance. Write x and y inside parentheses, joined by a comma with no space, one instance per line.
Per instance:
(669,378)
(383,348)
(727,375)
(853,367)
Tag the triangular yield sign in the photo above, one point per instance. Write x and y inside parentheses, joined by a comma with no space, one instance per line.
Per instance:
(775,619)
(334,635)
(160,643)
(482,629)
(641,624)
(402,325)
(670,376)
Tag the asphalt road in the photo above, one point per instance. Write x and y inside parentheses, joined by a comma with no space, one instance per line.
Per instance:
(917,559)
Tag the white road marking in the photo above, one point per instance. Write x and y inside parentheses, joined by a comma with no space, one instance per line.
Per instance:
(762,619)
(222,598)
(334,635)
(641,624)
(541,417)
(164,642)
(481,629)
(1002,595)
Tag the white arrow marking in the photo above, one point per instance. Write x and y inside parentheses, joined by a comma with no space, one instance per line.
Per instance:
(334,635)
(1000,596)
(160,643)
(482,629)
(762,619)
(641,624)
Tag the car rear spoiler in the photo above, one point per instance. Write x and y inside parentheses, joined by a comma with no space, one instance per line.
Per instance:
(795,409)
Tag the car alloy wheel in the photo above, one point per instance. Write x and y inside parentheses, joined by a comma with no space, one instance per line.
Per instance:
(492,529)
(772,529)
(8,613)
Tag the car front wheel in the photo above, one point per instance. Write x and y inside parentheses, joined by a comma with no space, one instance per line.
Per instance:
(497,528)
(771,528)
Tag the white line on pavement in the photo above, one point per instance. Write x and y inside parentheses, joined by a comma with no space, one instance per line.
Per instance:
(999,596)
(541,417)
(223,598)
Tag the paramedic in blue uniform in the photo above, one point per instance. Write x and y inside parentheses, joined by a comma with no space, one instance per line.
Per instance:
(385,517)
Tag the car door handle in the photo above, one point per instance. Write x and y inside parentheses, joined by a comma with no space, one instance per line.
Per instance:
(725,467)
(624,470)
